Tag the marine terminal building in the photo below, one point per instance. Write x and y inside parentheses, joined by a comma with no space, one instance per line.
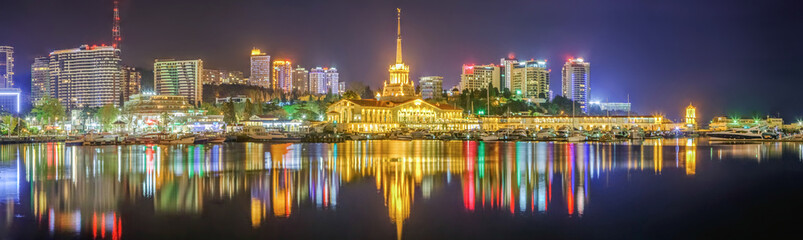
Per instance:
(384,116)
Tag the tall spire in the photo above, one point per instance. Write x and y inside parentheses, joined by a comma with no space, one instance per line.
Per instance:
(116,39)
(398,37)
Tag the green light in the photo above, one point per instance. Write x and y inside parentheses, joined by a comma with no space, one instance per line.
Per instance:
(518,92)
(481,112)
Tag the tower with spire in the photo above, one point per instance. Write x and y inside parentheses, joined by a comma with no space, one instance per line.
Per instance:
(398,87)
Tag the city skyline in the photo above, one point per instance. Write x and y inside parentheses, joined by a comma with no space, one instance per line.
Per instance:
(689,64)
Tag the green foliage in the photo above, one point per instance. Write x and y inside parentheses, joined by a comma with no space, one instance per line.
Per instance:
(210,109)
(248,110)
(351,95)
(107,115)
(48,110)
(9,124)
(229,114)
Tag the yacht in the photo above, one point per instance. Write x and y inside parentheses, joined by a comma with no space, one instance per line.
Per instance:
(175,139)
(488,137)
(546,133)
(576,137)
(736,134)
(260,134)
(398,135)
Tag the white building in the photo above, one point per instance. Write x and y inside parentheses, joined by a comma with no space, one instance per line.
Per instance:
(40,78)
(260,69)
(6,67)
(577,82)
(182,78)
(431,87)
(88,76)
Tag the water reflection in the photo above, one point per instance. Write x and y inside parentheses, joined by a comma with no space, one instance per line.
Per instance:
(80,189)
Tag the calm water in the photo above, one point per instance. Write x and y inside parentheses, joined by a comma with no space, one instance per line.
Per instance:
(394,189)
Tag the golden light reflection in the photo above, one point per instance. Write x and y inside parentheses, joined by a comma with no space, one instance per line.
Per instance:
(71,186)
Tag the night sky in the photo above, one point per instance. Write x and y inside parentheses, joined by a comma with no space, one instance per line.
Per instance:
(727,56)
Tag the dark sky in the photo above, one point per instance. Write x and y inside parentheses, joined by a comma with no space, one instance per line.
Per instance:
(726,56)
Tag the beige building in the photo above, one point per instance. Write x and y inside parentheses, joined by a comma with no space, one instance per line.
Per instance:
(384,116)
(217,77)
(131,83)
(431,87)
(493,123)
(182,78)
(476,77)
(529,79)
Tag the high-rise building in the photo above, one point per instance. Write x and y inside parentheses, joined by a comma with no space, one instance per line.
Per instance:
(529,79)
(6,67)
(282,76)
(507,65)
(324,80)
(87,76)
(398,86)
(317,81)
(260,69)
(217,77)
(10,100)
(577,81)
(182,78)
(40,79)
(431,87)
(341,87)
(476,77)
(131,82)
(301,80)
(332,80)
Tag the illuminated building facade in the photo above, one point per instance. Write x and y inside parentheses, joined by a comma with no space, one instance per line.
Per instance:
(10,100)
(476,77)
(181,78)
(383,116)
(529,79)
(217,77)
(493,123)
(40,79)
(131,83)
(6,67)
(301,80)
(691,116)
(283,75)
(317,80)
(507,65)
(612,106)
(332,80)
(88,76)
(260,69)
(398,86)
(576,82)
(324,80)
(431,87)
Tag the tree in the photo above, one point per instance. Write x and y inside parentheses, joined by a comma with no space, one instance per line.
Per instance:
(164,120)
(248,109)
(229,115)
(48,110)
(350,94)
(367,93)
(10,123)
(107,115)
(210,109)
